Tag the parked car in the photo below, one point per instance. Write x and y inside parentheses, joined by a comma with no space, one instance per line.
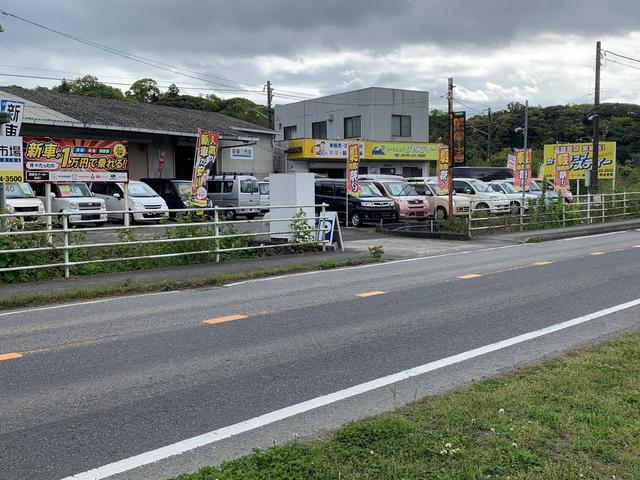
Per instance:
(486,174)
(515,197)
(235,190)
(370,207)
(409,205)
(21,200)
(142,199)
(439,204)
(75,198)
(265,199)
(482,196)
(534,189)
(176,193)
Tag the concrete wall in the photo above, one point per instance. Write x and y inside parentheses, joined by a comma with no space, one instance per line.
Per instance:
(262,164)
(375,106)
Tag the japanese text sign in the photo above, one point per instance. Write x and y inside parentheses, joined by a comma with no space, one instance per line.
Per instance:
(459,120)
(444,179)
(580,159)
(522,170)
(206,154)
(353,163)
(11,159)
(52,160)
(16,109)
(562,172)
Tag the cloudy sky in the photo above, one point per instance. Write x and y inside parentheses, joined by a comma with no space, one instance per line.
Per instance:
(498,51)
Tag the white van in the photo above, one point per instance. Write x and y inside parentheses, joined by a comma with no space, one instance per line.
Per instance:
(75,198)
(265,199)
(21,200)
(235,190)
(482,196)
(144,203)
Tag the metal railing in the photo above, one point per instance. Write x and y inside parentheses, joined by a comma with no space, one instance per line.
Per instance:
(556,213)
(53,240)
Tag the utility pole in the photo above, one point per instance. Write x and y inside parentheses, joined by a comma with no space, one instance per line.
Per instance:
(593,187)
(489,136)
(450,132)
(269,91)
(525,159)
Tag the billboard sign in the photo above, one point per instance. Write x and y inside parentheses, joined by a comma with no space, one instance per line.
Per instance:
(459,125)
(16,110)
(11,169)
(205,158)
(353,163)
(401,151)
(241,153)
(580,159)
(52,160)
(522,175)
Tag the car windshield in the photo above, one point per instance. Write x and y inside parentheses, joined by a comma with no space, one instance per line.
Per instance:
(18,190)
(480,186)
(264,188)
(183,188)
(534,187)
(400,189)
(140,190)
(73,190)
(248,186)
(369,190)
(508,187)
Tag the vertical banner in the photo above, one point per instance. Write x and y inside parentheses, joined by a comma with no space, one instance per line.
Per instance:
(562,172)
(16,109)
(205,158)
(353,162)
(459,138)
(522,175)
(444,181)
(511,162)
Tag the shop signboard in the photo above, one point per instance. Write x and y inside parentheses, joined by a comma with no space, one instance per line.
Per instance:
(353,163)
(52,160)
(459,121)
(241,153)
(444,180)
(16,110)
(522,175)
(580,159)
(401,151)
(562,169)
(206,154)
(11,169)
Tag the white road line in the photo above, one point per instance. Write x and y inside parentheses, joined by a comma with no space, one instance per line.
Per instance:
(88,302)
(287,412)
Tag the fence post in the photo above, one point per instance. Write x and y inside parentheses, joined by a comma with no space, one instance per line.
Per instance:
(65,229)
(624,204)
(216,230)
(589,209)
(323,224)
(604,205)
(564,218)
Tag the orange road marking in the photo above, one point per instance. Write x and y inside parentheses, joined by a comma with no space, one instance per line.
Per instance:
(543,263)
(10,356)
(370,294)
(228,318)
(469,276)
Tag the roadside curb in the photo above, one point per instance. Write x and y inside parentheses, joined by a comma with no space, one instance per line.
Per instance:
(544,236)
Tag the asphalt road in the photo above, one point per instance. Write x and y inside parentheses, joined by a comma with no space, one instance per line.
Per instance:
(106,380)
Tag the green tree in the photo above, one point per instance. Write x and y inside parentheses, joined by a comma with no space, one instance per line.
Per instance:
(89,86)
(144,90)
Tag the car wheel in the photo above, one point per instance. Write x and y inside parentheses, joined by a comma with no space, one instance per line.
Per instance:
(482,209)
(251,216)
(356,221)
(229,215)
(441,213)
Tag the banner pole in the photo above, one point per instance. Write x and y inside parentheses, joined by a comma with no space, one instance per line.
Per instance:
(47,200)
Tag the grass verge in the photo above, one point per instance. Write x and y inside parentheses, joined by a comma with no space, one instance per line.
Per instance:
(577,417)
(131,286)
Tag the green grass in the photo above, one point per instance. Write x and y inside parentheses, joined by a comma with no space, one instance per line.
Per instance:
(131,286)
(571,418)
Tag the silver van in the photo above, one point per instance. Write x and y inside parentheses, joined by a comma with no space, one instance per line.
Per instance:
(235,190)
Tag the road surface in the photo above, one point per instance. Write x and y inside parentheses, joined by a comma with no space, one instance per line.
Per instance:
(98,382)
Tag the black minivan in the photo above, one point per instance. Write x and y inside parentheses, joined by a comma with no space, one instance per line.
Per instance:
(370,207)
(176,193)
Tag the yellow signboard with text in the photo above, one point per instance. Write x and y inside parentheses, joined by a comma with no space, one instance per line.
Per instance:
(580,159)
(401,151)
(307,148)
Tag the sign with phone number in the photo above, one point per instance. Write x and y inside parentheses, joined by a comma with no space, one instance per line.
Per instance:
(11,166)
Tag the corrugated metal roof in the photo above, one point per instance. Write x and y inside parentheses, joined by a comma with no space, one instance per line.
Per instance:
(61,108)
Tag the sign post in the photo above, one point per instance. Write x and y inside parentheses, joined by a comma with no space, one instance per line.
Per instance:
(11,167)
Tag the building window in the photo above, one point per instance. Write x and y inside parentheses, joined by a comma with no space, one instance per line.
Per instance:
(387,171)
(363,170)
(290,132)
(319,129)
(411,172)
(401,125)
(352,127)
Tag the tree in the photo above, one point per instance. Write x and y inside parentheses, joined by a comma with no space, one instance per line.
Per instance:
(172,91)
(89,86)
(144,90)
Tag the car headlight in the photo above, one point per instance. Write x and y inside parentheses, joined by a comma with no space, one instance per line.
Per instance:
(136,204)
(41,208)
(74,206)
(367,204)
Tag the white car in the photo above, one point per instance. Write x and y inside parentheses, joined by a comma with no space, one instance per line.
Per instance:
(77,199)
(439,204)
(482,196)
(144,203)
(504,186)
(21,200)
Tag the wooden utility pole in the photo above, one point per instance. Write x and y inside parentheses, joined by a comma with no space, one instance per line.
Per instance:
(450,131)
(593,188)
(489,135)
(269,91)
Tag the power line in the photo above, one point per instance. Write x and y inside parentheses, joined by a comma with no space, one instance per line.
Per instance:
(623,64)
(621,56)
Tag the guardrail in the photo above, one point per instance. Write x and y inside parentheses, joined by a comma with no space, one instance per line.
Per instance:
(52,240)
(552,213)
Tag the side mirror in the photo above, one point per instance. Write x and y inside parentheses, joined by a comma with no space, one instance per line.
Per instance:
(116,195)
(52,195)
